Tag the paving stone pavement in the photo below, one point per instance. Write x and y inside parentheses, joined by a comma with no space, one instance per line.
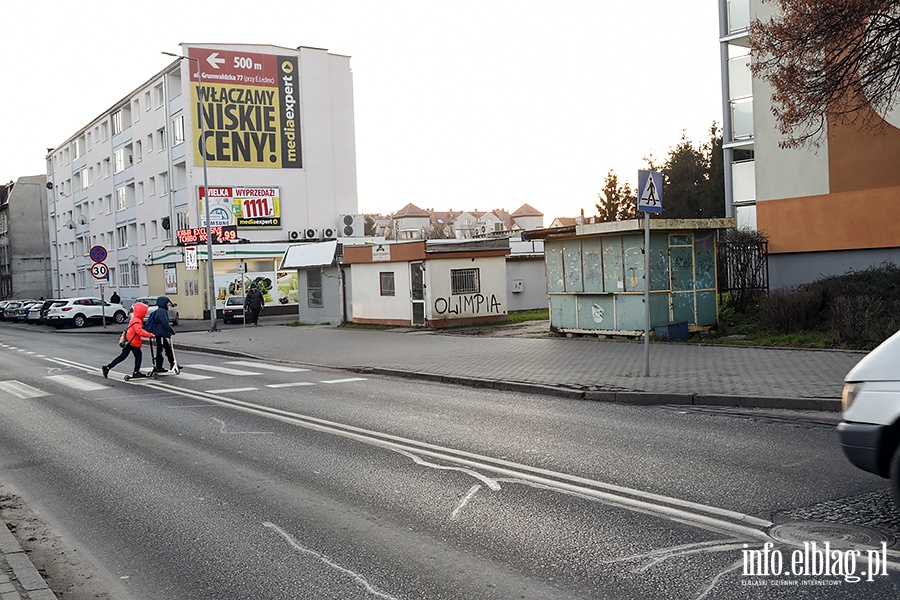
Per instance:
(587,367)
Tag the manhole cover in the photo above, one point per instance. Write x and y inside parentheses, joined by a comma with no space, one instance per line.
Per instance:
(839,535)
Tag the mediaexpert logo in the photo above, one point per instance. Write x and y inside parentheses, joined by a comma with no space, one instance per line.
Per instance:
(813,561)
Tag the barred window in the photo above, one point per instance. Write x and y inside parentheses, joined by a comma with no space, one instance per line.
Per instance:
(387,283)
(465,281)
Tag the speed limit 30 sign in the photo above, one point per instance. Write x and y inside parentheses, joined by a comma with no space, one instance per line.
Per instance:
(99,271)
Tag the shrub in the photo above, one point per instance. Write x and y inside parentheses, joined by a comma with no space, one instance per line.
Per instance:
(788,311)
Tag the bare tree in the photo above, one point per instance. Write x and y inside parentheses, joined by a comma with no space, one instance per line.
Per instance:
(828,59)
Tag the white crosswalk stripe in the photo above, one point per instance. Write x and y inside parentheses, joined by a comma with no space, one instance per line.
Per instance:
(291,384)
(21,390)
(231,390)
(220,369)
(270,367)
(187,376)
(77,383)
(347,380)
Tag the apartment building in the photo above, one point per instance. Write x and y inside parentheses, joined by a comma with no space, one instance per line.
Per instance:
(258,137)
(825,210)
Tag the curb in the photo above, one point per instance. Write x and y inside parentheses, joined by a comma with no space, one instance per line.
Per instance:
(621,397)
(22,567)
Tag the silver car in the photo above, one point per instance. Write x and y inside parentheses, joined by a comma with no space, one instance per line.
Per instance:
(151,302)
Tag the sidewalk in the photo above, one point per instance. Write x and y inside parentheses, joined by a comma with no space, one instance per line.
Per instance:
(588,367)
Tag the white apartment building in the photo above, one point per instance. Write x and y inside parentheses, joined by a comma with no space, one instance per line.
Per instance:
(825,210)
(276,129)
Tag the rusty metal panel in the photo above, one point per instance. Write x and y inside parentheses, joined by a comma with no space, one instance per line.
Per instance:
(563,312)
(630,311)
(596,311)
(553,258)
(572,265)
(633,260)
(592,259)
(613,265)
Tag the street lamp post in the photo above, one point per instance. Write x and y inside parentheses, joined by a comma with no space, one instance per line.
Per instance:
(211,283)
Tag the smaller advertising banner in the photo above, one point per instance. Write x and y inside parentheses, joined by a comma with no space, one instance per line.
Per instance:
(242,206)
(190,258)
(170,274)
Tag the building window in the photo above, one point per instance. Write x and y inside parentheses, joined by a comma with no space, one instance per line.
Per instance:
(121,199)
(465,281)
(150,143)
(314,288)
(163,183)
(117,122)
(146,100)
(183,220)
(387,283)
(161,138)
(122,237)
(178,130)
(120,160)
(159,95)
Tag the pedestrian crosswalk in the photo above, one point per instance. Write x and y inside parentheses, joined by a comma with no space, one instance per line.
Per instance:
(87,381)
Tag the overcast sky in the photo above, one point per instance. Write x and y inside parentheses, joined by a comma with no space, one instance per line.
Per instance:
(470,104)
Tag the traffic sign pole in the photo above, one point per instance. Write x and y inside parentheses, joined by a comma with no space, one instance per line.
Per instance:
(649,201)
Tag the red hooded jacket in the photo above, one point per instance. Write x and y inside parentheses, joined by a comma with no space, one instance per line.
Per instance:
(136,330)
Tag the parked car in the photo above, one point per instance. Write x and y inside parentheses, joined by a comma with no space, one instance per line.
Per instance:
(233,310)
(151,302)
(14,310)
(81,311)
(3,304)
(45,307)
(31,312)
(870,430)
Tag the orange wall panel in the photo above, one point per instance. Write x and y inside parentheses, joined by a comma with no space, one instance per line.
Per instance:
(838,221)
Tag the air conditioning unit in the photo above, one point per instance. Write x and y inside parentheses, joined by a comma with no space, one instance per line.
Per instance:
(295,236)
(310,234)
(328,233)
(352,226)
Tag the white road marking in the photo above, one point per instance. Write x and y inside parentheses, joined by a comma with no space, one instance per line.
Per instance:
(465,500)
(291,384)
(77,383)
(188,376)
(231,390)
(270,367)
(355,576)
(220,369)
(21,390)
(347,380)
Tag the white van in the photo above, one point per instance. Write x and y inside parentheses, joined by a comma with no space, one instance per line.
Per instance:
(870,430)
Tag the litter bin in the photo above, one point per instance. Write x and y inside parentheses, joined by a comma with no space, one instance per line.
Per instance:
(676,330)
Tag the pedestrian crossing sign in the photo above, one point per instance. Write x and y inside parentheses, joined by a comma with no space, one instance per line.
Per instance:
(650,190)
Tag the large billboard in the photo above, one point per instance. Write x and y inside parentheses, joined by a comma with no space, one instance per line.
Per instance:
(248,105)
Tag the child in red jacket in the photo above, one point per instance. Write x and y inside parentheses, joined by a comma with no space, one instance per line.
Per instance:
(133,334)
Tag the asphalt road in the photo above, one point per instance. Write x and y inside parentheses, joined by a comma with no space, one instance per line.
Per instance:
(239,479)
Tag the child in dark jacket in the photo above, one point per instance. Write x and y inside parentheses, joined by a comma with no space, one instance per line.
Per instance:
(158,324)
(133,334)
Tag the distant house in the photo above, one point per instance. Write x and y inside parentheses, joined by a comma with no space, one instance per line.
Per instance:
(435,283)
(412,222)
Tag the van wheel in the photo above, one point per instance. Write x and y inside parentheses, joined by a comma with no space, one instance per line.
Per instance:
(895,478)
